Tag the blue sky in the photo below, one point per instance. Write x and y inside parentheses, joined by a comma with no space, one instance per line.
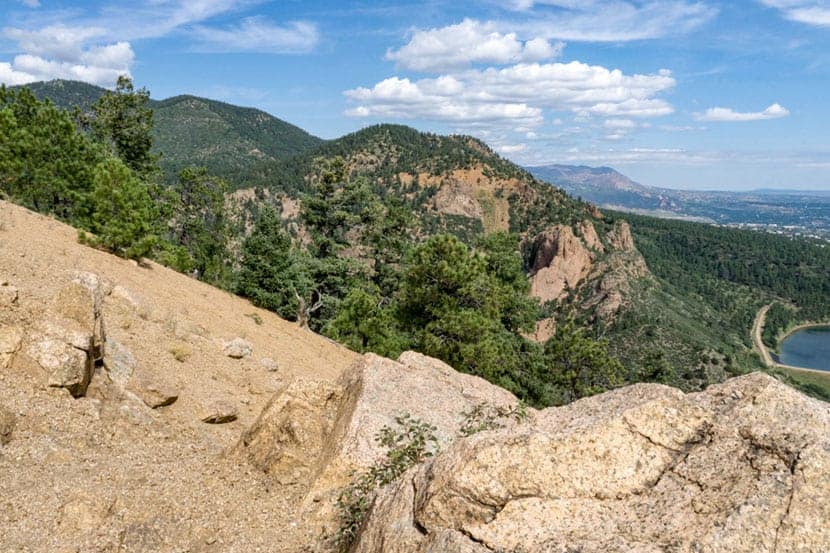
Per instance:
(677,93)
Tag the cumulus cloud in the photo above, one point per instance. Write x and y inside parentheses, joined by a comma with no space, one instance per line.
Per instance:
(257,34)
(516,94)
(810,12)
(98,50)
(774,111)
(457,46)
(62,52)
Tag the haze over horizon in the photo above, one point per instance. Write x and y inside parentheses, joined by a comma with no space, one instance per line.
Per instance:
(673,93)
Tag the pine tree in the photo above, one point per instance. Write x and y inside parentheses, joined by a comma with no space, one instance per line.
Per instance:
(123,213)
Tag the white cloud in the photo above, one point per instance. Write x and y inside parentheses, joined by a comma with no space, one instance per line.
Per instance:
(458,46)
(62,52)
(516,94)
(625,124)
(508,149)
(31,3)
(610,20)
(257,34)
(774,111)
(810,12)
(97,49)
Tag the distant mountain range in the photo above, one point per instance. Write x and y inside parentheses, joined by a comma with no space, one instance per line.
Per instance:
(189,130)
(784,211)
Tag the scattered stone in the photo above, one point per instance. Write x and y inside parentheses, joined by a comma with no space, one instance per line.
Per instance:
(8,296)
(66,366)
(119,362)
(219,412)
(238,348)
(269,364)
(10,339)
(6,425)
(155,392)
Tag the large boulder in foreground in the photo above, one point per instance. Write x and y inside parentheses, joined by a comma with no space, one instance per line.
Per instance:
(741,467)
(317,433)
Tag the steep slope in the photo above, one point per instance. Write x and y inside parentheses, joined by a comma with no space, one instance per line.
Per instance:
(118,468)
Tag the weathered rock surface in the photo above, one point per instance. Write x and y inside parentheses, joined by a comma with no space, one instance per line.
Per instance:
(238,348)
(319,433)
(8,295)
(220,412)
(11,337)
(68,342)
(66,366)
(620,237)
(7,423)
(742,467)
(560,262)
(153,390)
(119,362)
(589,235)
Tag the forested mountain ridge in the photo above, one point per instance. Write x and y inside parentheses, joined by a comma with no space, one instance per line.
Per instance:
(189,130)
(450,181)
(389,238)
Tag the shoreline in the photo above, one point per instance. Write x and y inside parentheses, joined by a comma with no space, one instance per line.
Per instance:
(766,356)
(796,328)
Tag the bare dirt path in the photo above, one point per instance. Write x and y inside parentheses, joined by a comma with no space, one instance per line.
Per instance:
(758,342)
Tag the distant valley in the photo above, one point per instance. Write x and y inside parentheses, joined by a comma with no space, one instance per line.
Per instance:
(787,212)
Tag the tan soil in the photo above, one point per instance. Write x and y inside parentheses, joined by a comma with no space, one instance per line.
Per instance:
(101,473)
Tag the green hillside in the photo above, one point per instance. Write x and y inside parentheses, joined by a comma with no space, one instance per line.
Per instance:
(67,94)
(189,130)
(224,138)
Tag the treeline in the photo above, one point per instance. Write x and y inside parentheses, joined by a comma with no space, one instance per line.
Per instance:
(690,255)
(95,170)
(359,270)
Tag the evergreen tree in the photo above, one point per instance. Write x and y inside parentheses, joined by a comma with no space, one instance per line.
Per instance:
(123,119)
(273,274)
(200,224)
(45,163)
(123,213)
(580,366)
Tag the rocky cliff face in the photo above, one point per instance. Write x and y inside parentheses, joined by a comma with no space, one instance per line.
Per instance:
(597,277)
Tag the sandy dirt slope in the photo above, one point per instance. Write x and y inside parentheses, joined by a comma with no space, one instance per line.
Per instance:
(105,472)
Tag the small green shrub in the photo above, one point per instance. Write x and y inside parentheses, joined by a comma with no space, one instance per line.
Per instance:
(484,416)
(409,444)
(254,317)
